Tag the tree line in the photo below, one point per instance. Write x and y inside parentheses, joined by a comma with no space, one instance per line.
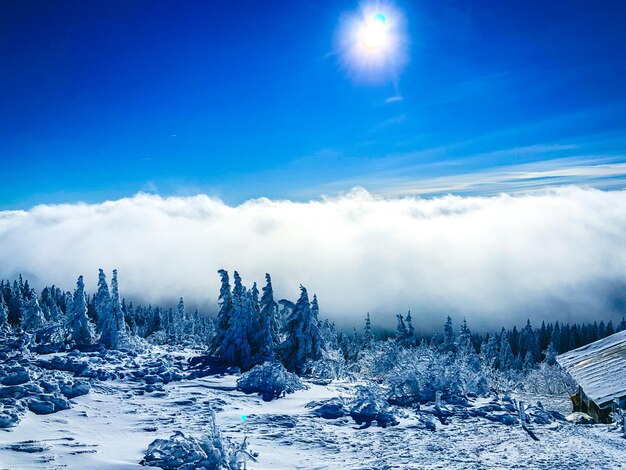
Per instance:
(251,328)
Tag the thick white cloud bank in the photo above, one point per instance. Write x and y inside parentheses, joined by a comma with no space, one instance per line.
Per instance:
(555,255)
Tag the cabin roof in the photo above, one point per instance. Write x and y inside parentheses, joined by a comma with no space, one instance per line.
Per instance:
(599,368)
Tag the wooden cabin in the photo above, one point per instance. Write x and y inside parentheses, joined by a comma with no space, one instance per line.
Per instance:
(599,369)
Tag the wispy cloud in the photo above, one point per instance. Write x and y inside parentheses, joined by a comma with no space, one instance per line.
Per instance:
(394,99)
(588,171)
(393,121)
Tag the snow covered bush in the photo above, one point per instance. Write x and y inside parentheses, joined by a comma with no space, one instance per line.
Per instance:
(405,381)
(331,366)
(421,372)
(370,405)
(549,380)
(270,380)
(378,360)
(211,452)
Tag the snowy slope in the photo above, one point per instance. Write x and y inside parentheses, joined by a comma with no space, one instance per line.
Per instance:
(111,427)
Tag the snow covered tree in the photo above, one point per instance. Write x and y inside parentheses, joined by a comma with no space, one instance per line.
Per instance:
(130,318)
(254,294)
(410,331)
(526,342)
(555,337)
(179,324)
(191,326)
(315,309)
(205,328)
(49,305)
(268,337)
(329,334)
(32,316)
(166,319)
(401,331)
(223,315)
(409,325)
(529,362)
(78,329)
(465,335)
(368,336)
(505,358)
(404,330)
(489,351)
(4,314)
(467,358)
(550,355)
(103,305)
(304,342)
(286,308)
(449,341)
(253,298)
(237,345)
(353,346)
(15,303)
(111,325)
(118,314)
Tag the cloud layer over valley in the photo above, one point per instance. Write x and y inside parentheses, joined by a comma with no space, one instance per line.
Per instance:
(553,255)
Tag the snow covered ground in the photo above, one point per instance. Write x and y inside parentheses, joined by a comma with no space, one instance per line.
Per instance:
(111,427)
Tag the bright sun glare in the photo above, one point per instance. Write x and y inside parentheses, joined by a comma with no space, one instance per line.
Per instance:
(373,34)
(373,42)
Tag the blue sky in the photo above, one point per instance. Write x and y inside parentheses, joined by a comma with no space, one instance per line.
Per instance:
(100,100)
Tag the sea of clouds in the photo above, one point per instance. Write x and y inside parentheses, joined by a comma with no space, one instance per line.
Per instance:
(554,255)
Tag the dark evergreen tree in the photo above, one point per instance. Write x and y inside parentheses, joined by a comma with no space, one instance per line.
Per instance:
(449,342)
(16,300)
(610,329)
(555,337)
(368,336)
(401,331)
(409,327)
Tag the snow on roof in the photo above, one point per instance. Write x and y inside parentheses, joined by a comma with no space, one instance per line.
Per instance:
(599,368)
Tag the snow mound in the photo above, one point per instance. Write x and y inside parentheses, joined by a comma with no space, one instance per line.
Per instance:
(11,412)
(13,374)
(46,403)
(270,380)
(332,408)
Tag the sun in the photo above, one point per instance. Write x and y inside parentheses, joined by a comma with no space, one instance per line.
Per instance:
(372,42)
(373,34)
